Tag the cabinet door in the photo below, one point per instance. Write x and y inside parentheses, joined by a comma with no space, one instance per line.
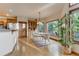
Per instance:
(12,20)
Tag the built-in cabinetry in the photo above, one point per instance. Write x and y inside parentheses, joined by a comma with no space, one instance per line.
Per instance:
(4,20)
(12,19)
(32,24)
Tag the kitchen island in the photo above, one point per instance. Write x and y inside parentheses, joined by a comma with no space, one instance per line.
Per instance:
(8,41)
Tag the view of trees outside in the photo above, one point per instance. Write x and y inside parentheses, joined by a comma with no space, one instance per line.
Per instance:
(41,27)
(53,27)
(56,27)
(75,24)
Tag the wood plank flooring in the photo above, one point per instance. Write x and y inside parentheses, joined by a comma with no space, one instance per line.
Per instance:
(25,48)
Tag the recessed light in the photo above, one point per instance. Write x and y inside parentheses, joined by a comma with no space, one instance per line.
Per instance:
(7,14)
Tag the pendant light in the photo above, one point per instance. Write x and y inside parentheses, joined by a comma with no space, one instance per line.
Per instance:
(39,21)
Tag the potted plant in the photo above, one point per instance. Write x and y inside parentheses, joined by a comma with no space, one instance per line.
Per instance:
(64,34)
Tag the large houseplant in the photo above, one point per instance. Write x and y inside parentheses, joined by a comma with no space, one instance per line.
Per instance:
(64,33)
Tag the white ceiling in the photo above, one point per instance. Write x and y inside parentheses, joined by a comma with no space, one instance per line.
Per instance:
(30,9)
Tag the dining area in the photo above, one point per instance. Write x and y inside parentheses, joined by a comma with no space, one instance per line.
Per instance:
(43,33)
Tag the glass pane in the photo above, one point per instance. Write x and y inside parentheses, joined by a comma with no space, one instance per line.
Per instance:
(53,28)
(41,27)
(75,18)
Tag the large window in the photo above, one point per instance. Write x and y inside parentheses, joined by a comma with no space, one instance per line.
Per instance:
(53,27)
(75,23)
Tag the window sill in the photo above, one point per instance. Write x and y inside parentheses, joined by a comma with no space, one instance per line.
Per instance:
(55,38)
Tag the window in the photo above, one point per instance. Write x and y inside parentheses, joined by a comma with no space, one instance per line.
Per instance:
(41,27)
(53,27)
(75,23)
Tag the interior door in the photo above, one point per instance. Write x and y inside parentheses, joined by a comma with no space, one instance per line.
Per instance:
(22,29)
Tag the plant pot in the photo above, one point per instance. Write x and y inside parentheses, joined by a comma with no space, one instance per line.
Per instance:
(67,50)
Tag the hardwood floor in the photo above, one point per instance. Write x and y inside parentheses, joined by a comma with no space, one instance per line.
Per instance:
(25,48)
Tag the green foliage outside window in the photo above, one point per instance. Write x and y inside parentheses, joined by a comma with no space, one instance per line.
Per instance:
(41,27)
(53,28)
(64,30)
(75,23)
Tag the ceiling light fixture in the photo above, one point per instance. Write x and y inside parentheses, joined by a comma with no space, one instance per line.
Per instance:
(39,21)
(7,14)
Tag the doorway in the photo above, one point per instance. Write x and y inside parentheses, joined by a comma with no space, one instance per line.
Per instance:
(22,29)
